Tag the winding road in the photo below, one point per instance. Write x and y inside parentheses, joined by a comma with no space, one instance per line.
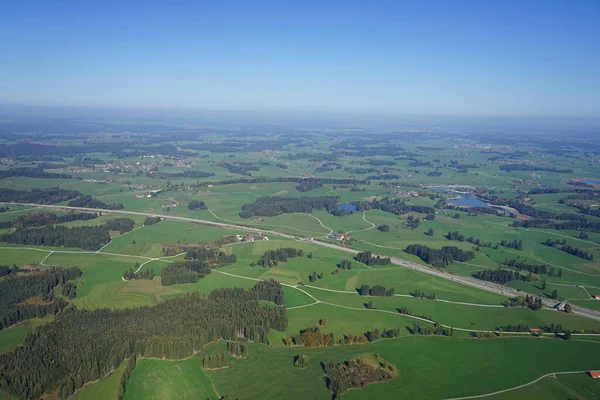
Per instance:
(487,286)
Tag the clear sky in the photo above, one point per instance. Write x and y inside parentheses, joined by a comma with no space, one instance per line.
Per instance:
(449,57)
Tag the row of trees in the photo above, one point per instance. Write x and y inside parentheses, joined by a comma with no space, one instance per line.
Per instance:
(562,245)
(377,290)
(501,276)
(86,345)
(314,276)
(89,202)
(567,225)
(44,218)
(33,173)
(131,363)
(131,275)
(535,268)
(532,302)
(422,295)
(151,220)
(513,244)
(238,349)
(272,258)
(366,257)
(439,258)
(306,185)
(215,361)
(436,329)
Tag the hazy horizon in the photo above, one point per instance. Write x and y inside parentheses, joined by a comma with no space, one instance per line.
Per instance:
(532,58)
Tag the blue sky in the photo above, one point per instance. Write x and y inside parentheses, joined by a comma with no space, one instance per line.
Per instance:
(447,57)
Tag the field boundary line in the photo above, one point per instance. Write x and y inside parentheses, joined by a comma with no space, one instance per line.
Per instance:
(517,387)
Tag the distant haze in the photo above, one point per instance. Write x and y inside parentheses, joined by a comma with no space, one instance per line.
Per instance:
(479,58)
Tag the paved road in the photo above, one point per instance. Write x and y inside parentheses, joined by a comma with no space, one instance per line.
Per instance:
(476,283)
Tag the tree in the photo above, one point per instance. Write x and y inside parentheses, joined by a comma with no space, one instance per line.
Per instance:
(567,334)
(429,232)
(383,228)
(543,287)
(323,322)
(568,308)
(554,294)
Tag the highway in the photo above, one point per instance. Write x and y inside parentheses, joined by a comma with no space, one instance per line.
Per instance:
(476,283)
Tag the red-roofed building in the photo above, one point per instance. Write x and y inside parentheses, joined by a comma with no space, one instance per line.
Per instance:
(594,374)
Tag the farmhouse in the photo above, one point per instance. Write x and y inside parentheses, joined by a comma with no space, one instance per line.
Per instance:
(596,296)
(535,331)
(594,374)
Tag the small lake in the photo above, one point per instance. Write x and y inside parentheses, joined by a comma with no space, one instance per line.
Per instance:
(591,181)
(468,200)
(347,207)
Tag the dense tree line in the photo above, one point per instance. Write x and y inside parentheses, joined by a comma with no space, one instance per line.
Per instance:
(345,265)
(45,218)
(273,206)
(439,258)
(84,237)
(38,196)
(377,290)
(90,202)
(567,225)
(131,275)
(215,361)
(405,311)
(183,272)
(24,296)
(272,258)
(82,346)
(309,184)
(197,205)
(562,245)
(191,174)
(514,328)
(121,225)
(501,276)
(376,334)
(455,235)
(513,244)
(526,167)
(267,179)
(33,173)
(366,257)
(237,349)
(532,302)
(152,220)
(69,289)
(436,329)
(422,295)
(394,206)
(131,363)
(211,256)
(6,270)
(535,268)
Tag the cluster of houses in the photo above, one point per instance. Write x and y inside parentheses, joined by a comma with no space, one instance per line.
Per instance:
(203,193)
(150,194)
(339,236)
(102,180)
(249,237)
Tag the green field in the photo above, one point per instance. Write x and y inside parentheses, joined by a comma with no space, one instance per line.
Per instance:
(107,388)
(158,379)
(576,386)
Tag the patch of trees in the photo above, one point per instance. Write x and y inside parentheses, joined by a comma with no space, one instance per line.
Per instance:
(454,235)
(120,224)
(525,167)
(44,218)
(412,222)
(237,349)
(84,237)
(383,228)
(366,257)
(313,337)
(90,202)
(30,295)
(152,220)
(191,174)
(306,185)
(314,276)
(215,361)
(378,163)
(422,295)
(562,245)
(301,361)
(532,302)
(405,311)
(434,173)
(394,206)
(6,270)
(197,205)
(436,329)
(267,179)
(513,328)
(273,206)
(131,363)
(439,258)
(345,264)
(38,196)
(548,224)
(356,373)
(384,177)
(377,290)
(211,256)
(62,355)
(183,272)
(272,258)
(535,268)
(513,244)
(131,275)
(501,276)
(374,335)
(33,173)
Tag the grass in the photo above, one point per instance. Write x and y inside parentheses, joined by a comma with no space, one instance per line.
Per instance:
(575,386)
(106,389)
(163,380)
(12,337)
(428,367)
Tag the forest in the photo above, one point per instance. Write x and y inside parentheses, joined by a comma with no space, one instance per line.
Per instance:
(90,202)
(62,355)
(273,206)
(562,245)
(439,258)
(44,218)
(366,257)
(38,196)
(501,276)
(272,258)
(29,295)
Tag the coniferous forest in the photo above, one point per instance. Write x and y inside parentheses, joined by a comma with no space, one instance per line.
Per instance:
(61,354)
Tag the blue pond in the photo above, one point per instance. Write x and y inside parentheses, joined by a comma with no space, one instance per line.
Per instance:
(347,207)
(468,200)
(591,181)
